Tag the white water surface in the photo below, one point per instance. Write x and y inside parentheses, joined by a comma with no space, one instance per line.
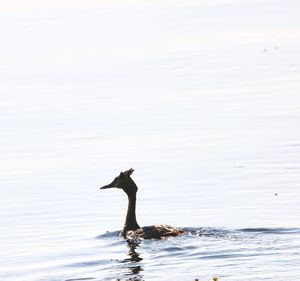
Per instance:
(201,98)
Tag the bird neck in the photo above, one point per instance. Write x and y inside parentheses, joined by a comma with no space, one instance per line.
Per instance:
(131,223)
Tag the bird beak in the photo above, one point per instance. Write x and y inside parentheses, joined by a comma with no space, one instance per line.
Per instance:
(106,186)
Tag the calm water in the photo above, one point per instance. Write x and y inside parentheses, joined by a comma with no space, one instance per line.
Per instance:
(200,97)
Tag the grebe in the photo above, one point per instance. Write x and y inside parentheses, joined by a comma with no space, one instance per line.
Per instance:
(131,228)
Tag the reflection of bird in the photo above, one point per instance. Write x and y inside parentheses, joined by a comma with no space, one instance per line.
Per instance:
(131,228)
(134,259)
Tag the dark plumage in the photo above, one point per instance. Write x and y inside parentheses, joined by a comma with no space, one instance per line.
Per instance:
(131,228)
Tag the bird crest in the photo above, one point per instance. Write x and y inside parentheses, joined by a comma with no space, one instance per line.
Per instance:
(127,173)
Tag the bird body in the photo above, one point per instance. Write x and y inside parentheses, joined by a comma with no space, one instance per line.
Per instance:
(158,231)
(131,228)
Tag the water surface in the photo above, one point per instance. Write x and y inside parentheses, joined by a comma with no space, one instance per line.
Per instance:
(202,99)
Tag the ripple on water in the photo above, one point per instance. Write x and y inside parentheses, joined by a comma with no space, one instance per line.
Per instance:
(278,230)
(109,234)
(88,263)
(81,279)
(219,251)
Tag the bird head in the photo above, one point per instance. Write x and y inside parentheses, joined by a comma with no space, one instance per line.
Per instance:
(123,181)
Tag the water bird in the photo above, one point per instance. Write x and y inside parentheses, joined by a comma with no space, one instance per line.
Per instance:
(131,229)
